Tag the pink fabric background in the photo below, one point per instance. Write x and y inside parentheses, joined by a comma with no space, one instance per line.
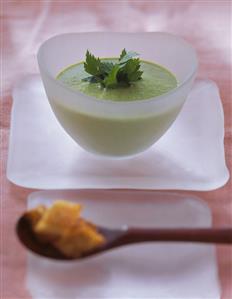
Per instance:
(26,24)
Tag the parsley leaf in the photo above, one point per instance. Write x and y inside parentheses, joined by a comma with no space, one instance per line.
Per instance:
(106,67)
(123,53)
(111,80)
(126,56)
(132,71)
(113,75)
(92,64)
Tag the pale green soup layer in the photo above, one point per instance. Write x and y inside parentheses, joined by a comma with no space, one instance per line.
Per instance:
(156,80)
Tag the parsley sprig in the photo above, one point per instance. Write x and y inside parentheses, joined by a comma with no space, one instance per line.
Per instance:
(112,75)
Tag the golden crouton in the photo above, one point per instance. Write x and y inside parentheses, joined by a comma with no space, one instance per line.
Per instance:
(61,226)
(57,219)
(79,239)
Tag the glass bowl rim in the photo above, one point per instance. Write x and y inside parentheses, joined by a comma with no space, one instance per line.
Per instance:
(96,101)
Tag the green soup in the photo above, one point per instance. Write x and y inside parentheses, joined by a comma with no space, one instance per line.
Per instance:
(117,136)
(155,81)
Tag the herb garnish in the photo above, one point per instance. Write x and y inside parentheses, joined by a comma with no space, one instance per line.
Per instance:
(112,75)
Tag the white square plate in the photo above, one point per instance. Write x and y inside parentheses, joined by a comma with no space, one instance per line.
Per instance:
(189,156)
(151,270)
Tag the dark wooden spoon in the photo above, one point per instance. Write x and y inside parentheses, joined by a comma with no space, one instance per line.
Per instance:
(120,237)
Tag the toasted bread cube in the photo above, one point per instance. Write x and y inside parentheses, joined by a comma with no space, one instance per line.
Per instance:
(80,239)
(61,226)
(57,219)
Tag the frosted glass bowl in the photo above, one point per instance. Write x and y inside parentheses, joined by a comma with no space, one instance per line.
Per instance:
(116,129)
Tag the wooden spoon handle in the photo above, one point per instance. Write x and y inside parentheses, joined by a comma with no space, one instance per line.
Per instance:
(203,235)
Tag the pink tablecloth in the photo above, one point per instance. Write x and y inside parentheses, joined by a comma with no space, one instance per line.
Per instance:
(25,24)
